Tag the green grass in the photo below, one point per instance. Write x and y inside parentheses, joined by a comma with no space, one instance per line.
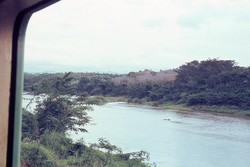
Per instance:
(228,110)
(225,110)
(180,107)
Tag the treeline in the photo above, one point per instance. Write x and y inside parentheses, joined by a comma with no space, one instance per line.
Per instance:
(209,82)
(214,82)
(45,140)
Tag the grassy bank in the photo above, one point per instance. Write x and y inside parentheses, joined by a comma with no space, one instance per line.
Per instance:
(227,110)
(222,110)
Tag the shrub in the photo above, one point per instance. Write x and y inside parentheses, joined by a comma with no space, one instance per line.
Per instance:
(35,155)
(57,142)
(196,99)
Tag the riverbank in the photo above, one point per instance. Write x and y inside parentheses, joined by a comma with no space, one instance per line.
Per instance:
(219,110)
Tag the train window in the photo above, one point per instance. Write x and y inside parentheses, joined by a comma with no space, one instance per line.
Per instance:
(137,83)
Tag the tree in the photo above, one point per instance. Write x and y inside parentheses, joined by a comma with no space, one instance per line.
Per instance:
(59,114)
(213,82)
(63,85)
(84,85)
(199,72)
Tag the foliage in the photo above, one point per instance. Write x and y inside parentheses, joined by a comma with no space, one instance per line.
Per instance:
(114,153)
(97,100)
(58,143)
(57,150)
(214,82)
(61,114)
(63,85)
(34,154)
(29,125)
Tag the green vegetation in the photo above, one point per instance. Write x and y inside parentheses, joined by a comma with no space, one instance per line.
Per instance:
(44,134)
(214,84)
(97,100)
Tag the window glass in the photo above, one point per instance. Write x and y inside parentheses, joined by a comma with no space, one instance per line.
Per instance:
(137,83)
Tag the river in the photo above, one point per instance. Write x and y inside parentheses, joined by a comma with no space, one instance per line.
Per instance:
(188,139)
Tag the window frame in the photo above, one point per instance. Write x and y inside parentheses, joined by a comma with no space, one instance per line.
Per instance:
(21,19)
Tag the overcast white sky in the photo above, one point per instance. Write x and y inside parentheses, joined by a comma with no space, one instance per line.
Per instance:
(120,36)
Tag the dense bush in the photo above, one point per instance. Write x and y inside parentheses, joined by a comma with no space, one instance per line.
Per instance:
(58,143)
(34,154)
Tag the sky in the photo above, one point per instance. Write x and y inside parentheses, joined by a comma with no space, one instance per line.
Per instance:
(119,36)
